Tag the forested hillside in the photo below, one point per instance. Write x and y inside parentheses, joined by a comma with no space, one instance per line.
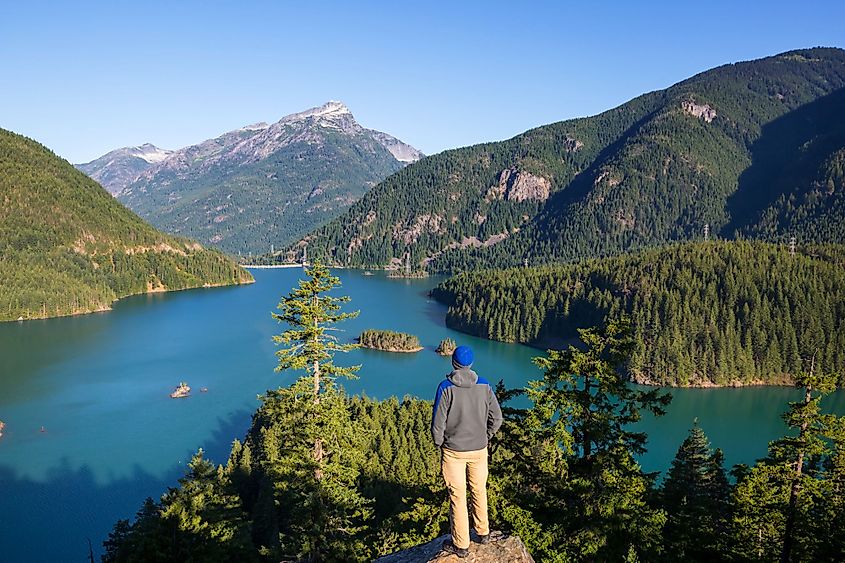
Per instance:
(67,247)
(710,313)
(751,149)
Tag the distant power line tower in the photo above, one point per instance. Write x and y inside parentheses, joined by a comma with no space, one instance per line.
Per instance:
(792,245)
(706,231)
(272,249)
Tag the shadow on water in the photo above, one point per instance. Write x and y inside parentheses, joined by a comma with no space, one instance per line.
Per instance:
(72,504)
(67,508)
(22,357)
(436,311)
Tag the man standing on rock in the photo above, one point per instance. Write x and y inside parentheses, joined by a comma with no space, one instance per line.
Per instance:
(466,416)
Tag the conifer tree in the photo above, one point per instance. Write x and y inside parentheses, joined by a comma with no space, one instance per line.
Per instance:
(777,501)
(206,511)
(831,517)
(310,314)
(695,496)
(310,451)
(576,476)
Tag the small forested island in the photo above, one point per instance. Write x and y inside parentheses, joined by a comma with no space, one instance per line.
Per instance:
(415,274)
(704,314)
(446,347)
(389,341)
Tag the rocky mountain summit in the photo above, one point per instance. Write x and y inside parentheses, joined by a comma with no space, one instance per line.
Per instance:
(501,549)
(257,186)
(257,142)
(117,169)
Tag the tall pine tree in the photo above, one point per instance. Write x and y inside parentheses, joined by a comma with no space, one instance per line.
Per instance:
(777,502)
(307,444)
(696,497)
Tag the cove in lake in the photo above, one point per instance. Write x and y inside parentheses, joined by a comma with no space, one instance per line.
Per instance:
(99,385)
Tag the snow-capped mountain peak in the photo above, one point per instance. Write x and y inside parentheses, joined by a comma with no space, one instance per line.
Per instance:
(331,113)
(121,168)
(148,152)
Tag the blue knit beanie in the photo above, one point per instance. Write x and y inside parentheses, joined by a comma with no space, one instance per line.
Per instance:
(462,357)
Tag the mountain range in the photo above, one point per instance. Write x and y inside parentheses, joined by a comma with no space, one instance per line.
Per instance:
(259,185)
(68,247)
(752,149)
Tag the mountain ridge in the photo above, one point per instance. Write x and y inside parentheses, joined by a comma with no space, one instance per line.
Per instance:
(262,184)
(656,169)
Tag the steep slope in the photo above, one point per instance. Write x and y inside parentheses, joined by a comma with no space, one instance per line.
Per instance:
(68,247)
(705,313)
(262,185)
(656,169)
(797,176)
(119,168)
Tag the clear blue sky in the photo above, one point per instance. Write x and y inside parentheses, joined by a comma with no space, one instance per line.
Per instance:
(84,77)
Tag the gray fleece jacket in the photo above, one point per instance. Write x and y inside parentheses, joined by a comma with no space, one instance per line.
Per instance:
(466,412)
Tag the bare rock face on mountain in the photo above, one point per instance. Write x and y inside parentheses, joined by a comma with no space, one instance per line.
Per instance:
(701,111)
(501,549)
(402,152)
(515,185)
(259,186)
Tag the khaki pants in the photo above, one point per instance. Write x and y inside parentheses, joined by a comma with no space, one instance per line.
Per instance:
(456,467)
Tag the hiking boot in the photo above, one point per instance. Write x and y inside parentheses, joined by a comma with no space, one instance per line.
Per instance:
(484,540)
(449,547)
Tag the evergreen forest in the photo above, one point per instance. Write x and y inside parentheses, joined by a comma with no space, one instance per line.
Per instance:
(389,340)
(703,314)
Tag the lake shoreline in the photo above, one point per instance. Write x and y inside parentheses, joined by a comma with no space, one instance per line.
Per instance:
(99,385)
(397,350)
(110,306)
(558,344)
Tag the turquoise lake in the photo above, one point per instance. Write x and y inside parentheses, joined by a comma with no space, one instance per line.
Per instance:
(99,384)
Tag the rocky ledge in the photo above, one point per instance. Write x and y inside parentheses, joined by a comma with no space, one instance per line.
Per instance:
(501,549)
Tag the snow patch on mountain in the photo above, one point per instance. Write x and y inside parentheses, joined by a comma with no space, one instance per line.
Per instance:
(402,152)
(255,126)
(332,108)
(149,152)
